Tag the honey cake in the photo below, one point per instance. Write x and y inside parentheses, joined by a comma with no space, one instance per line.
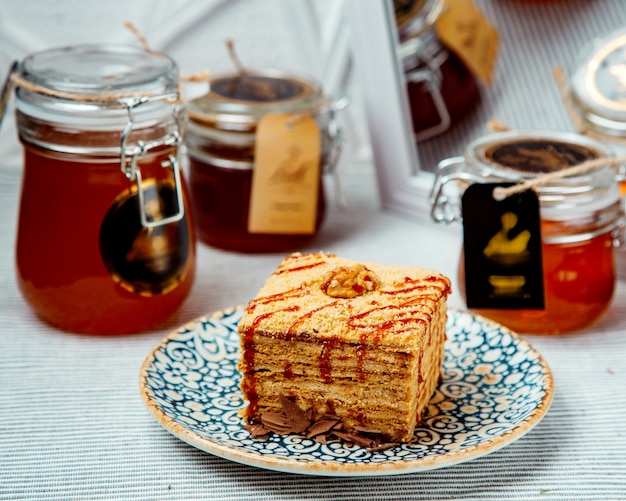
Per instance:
(363,342)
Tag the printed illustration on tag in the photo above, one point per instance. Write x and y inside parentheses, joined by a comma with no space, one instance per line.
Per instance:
(286,175)
(147,261)
(502,247)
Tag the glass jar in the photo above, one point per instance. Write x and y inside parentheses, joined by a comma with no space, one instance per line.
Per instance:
(598,97)
(221,140)
(105,243)
(441,89)
(581,219)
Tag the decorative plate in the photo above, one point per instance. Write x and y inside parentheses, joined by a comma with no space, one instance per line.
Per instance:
(495,388)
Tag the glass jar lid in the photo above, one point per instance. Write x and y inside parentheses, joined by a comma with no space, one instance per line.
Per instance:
(92,83)
(237,101)
(592,198)
(598,85)
(416,17)
(515,156)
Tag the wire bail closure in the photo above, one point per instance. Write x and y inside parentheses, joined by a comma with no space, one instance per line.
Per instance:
(130,155)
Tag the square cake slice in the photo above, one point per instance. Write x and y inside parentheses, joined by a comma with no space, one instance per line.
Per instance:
(362,342)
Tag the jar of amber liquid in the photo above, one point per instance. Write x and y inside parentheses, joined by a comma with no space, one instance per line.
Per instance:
(581,220)
(105,243)
(221,140)
(441,89)
(598,98)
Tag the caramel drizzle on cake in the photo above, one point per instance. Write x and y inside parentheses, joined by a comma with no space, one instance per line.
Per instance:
(281,296)
(284,269)
(413,310)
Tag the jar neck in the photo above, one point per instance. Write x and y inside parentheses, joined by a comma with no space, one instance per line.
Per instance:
(567,228)
(89,142)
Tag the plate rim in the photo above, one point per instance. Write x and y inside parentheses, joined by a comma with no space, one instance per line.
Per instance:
(330,468)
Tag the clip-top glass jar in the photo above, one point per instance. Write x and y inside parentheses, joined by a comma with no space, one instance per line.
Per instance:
(581,219)
(441,89)
(598,97)
(221,138)
(105,243)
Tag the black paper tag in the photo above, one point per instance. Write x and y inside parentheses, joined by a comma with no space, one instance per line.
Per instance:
(502,242)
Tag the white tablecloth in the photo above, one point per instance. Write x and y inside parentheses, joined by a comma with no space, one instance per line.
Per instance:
(73,425)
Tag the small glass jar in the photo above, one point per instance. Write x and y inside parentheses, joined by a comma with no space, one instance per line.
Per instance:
(221,141)
(105,243)
(598,92)
(581,219)
(441,89)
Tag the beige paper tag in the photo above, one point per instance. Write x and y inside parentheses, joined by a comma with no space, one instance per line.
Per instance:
(285,180)
(464,29)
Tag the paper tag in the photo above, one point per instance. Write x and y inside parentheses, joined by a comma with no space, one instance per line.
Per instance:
(464,29)
(502,243)
(286,176)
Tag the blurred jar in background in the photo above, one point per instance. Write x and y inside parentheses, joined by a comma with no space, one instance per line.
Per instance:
(105,243)
(581,219)
(598,96)
(441,89)
(224,147)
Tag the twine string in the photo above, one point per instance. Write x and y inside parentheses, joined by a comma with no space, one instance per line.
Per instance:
(574,116)
(18,80)
(232,53)
(501,193)
(140,36)
(580,126)
(241,70)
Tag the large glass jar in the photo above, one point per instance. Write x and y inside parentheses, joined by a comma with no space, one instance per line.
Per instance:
(441,89)
(598,98)
(221,139)
(105,243)
(581,220)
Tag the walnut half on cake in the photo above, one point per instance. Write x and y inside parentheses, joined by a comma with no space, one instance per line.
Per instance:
(360,341)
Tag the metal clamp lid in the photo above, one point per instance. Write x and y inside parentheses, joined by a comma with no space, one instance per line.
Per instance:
(524,156)
(237,101)
(598,85)
(130,155)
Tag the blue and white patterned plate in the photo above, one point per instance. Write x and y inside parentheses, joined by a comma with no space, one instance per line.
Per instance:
(495,388)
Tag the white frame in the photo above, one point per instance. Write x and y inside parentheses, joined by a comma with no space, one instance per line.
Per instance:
(402,186)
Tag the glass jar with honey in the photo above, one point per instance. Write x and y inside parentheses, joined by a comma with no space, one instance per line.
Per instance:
(581,220)
(223,143)
(441,89)
(597,93)
(105,242)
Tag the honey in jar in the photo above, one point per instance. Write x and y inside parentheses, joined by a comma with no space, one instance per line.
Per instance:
(222,139)
(105,243)
(580,220)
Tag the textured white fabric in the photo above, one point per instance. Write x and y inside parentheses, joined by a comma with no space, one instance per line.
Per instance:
(73,425)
